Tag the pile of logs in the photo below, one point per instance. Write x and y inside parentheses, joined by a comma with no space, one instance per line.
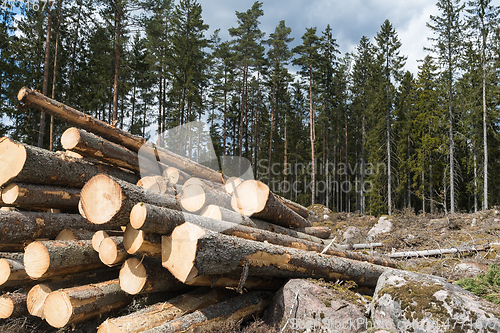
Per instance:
(84,231)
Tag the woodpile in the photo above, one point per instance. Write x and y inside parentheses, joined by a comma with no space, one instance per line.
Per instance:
(129,226)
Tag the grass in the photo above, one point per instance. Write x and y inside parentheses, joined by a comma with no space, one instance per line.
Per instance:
(486,286)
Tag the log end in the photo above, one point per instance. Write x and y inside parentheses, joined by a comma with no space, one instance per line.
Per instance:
(36,260)
(132,276)
(108,252)
(10,193)
(192,197)
(98,238)
(36,299)
(138,215)
(250,197)
(232,183)
(65,235)
(70,138)
(22,94)
(108,327)
(172,174)
(179,251)
(4,271)
(212,211)
(132,239)
(57,309)
(12,159)
(6,307)
(101,199)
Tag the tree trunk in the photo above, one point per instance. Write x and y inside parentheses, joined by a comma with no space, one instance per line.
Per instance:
(119,12)
(158,185)
(138,241)
(160,313)
(147,276)
(13,305)
(116,135)
(297,208)
(111,251)
(254,198)
(54,75)
(312,138)
(45,86)
(52,258)
(320,232)
(12,273)
(41,196)
(108,200)
(219,315)
(74,305)
(23,163)
(195,197)
(19,228)
(194,251)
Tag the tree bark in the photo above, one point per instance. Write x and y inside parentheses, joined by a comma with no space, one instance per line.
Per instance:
(194,197)
(45,86)
(13,305)
(111,251)
(130,141)
(194,251)
(254,198)
(23,163)
(138,241)
(219,315)
(74,305)
(320,232)
(41,196)
(107,200)
(297,208)
(18,228)
(51,258)
(160,313)
(68,234)
(147,276)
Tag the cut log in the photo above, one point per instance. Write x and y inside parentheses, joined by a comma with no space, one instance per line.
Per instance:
(77,304)
(72,154)
(253,198)
(297,208)
(74,234)
(12,273)
(219,315)
(13,305)
(27,164)
(90,145)
(37,295)
(137,241)
(41,196)
(155,184)
(33,98)
(320,232)
(108,200)
(193,251)
(438,252)
(234,281)
(175,176)
(205,182)
(223,214)
(160,313)
(147,276)
(19,228)
(194,197)
(111,251)
(49,258)
(232,183)
(101,234)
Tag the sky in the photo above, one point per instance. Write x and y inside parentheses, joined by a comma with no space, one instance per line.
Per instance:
(349,20)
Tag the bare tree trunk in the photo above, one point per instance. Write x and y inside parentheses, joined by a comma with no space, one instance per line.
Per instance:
(117,60)
(45,87)
(312,137)
(485,137)
(54,75)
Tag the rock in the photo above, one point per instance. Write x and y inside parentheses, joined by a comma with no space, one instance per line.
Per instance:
(313,306)
(351,235)
(469,270)
(474,222)
(420,303)
(383,225)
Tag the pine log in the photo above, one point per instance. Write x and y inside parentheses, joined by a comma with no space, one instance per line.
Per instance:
(19,228)
(438,252)
(108,200)
(194,251)
(13,305)
(297,208)
(111,251)
(254,198)
(155,184)
(147,276)
(18,256)
(72,154)
(38,293)
(218,315)
(137,241)
(205,182)
(27,164)
(320,232)
(41,196)
(175,176)
(160,313)
(232,183)
(223,214)
(99,235)
(234,281)
(77,304)
(74,234)
(49,258)
(33,98)
(90,145)
(12,273)
(194,197)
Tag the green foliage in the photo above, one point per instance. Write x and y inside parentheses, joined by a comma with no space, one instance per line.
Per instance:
(486,285)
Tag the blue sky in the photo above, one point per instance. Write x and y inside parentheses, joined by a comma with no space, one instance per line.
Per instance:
(349,20)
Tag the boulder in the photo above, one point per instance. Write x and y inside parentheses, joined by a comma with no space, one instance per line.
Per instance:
(351,235)
(384,225)
(412,302)
(317,306)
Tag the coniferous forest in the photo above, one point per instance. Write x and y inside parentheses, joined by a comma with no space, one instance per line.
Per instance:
(356,129)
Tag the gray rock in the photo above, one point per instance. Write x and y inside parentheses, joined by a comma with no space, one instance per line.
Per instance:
(306,306)
(468,270)
(351,235)
(412,302)
(384,225)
